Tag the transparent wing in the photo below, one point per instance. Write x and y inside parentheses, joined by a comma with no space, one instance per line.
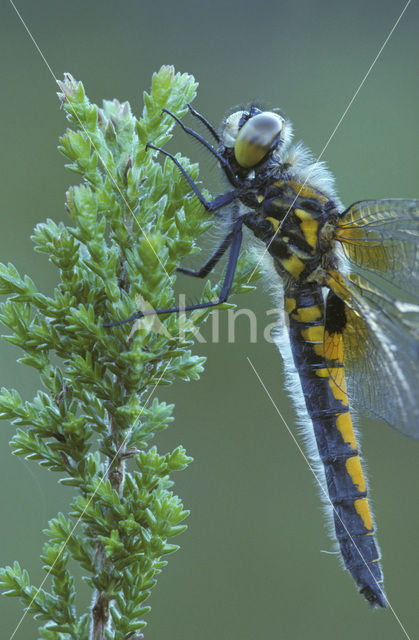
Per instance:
(382,236)
(380,351)
(380,326)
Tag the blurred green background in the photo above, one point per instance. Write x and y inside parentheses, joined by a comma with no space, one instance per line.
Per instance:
(250,565)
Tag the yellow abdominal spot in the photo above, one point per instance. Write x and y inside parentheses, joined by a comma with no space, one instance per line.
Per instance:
(293,265)
(304,191)
(353,467)
(274,222)
(344,425)
(363,510)
(290,304)
(260,199)
(313,334)
(307,314)
(309,226)
(318,349)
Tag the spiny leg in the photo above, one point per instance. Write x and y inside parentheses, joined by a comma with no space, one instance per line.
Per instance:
(233,239)
(219,251)
(204,121)
(215,204)
(224,163)
(212,260)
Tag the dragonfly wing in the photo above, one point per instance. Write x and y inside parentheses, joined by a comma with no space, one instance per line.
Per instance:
(381,350)
(380,323)
(382,237)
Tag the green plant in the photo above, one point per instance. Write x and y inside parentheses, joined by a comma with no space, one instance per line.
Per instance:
(133,221)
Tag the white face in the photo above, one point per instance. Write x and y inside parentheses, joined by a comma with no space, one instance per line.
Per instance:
(231,129)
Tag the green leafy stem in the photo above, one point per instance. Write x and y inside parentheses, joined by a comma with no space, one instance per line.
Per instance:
(133,220)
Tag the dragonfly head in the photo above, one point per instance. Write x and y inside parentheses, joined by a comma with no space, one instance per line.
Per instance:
(253,135)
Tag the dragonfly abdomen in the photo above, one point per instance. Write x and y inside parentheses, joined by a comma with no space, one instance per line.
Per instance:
(318,358)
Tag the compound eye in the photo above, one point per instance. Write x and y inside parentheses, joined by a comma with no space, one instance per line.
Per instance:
(257,137)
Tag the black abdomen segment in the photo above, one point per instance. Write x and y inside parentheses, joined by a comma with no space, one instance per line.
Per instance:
(323,385)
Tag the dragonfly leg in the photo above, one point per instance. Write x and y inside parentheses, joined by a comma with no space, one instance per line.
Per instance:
(204,121)
(213,205)
(221,159)
(235,244)
(212,260)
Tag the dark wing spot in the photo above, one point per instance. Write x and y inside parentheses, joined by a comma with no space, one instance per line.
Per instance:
(335,314)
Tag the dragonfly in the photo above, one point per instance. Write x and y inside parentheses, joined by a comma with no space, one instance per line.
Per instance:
(353,338)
